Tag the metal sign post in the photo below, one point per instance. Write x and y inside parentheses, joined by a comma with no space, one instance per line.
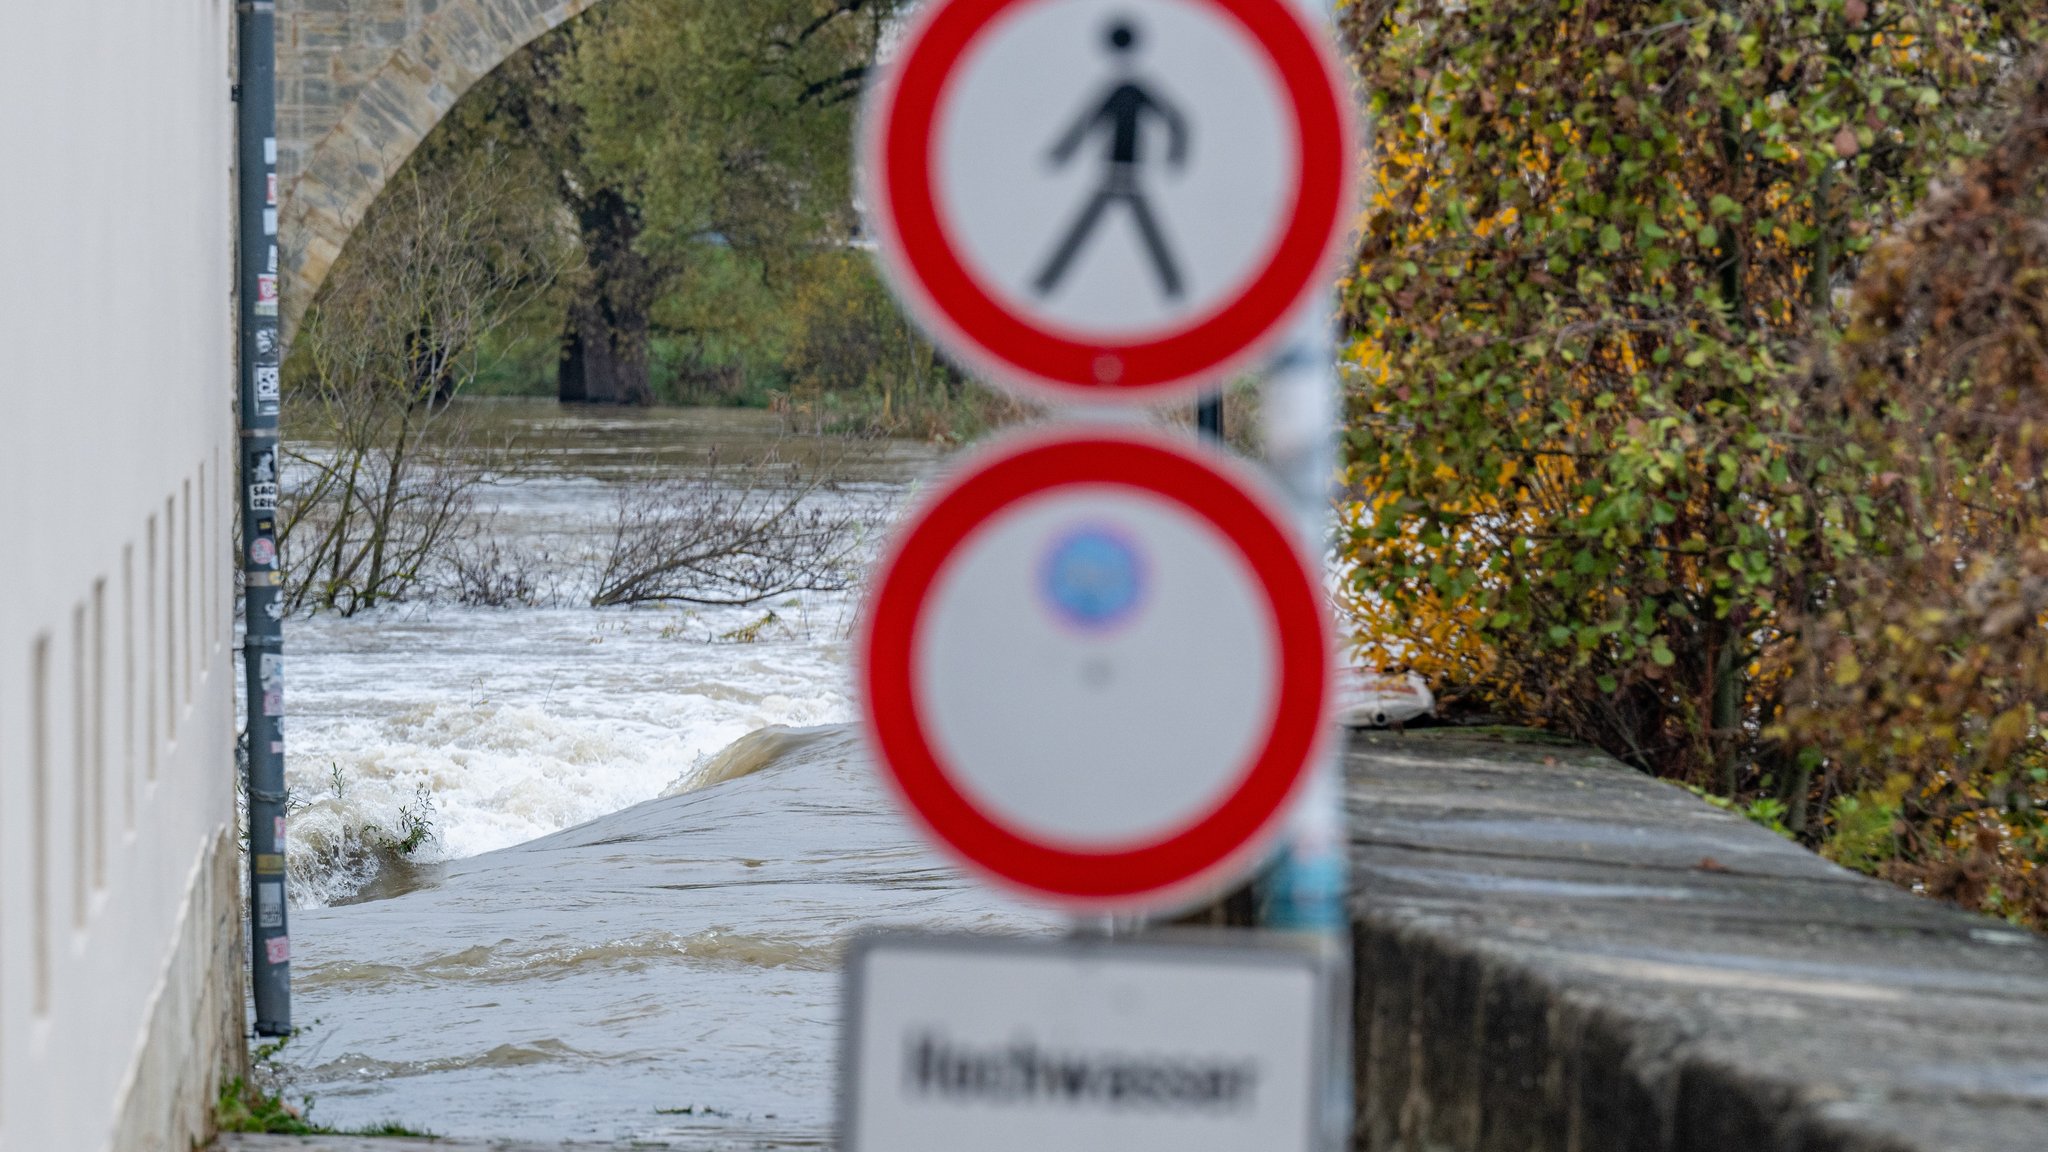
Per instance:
(1304,889)
(260,359)
(1090,681)
(1209,416)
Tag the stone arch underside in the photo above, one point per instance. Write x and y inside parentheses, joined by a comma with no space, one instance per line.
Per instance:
(361,83)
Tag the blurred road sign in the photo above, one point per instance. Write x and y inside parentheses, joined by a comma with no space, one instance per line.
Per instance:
(1095,667)
(1108,199)
(1088,1046)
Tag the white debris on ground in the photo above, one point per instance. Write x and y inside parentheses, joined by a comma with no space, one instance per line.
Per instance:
(1367,699)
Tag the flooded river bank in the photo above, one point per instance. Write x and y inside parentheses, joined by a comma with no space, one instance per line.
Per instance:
(620,914)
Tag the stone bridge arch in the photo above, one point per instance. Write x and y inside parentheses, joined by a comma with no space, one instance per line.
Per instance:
(359,84)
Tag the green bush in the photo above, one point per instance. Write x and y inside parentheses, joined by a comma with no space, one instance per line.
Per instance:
(1601,238)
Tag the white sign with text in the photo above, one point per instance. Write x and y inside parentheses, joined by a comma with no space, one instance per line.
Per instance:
(976,1044)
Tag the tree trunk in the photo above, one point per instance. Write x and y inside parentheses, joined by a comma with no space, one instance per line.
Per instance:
(604,348)
(601,363)
(1724,710)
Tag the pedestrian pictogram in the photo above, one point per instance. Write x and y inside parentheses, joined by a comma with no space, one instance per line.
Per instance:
(1094,666)
(1108,199)
(1124,116)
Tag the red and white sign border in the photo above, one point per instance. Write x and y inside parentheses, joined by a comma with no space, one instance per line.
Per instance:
(894,142)
(1203,854)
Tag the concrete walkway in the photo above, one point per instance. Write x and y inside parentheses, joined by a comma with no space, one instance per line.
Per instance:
(377,1144)
(389,1144)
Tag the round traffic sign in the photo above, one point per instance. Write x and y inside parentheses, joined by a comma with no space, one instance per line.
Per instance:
(1100,199)
(1094,666)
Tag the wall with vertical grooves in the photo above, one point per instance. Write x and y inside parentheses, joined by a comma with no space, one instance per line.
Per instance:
(119,987)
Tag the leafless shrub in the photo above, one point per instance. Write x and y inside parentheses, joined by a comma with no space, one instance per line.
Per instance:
(451,252)
(679,540)
(487,573)
(367,527)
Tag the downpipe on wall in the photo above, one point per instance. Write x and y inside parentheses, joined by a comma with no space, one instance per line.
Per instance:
(260,360)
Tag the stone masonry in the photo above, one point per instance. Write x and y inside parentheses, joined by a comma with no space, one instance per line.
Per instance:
(359,84)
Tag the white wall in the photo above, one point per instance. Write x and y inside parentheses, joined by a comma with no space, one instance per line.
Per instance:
(116,473)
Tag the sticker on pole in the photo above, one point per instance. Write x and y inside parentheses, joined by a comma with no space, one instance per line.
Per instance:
(1083,1046)
(1108,199)
(1094,666)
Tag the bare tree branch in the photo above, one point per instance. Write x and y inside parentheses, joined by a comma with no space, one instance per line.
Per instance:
(683,541)
(448,255)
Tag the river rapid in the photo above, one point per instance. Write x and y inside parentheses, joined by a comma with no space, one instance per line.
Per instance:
(640,837)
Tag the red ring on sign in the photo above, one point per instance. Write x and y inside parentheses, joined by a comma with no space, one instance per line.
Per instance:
(952,296)
(888,674)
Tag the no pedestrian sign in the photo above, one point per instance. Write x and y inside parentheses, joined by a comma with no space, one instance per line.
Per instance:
(1095,199)
(1094,666)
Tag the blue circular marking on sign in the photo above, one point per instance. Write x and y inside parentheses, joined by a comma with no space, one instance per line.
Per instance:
(1093,578)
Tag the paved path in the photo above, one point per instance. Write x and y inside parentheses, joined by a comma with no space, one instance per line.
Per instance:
(381,1144)
(385,1144)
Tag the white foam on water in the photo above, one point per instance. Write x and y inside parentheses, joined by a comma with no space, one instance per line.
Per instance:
(480,728)
(644,861)
(498,726)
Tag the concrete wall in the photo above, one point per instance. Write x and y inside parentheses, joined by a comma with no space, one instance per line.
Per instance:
(119,973)
(1558,954)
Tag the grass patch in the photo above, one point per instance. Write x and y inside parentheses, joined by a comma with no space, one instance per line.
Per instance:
(1769,811)
(245,1108)
(258,1105)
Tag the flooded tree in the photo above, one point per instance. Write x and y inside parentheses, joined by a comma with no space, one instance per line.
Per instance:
(455,247)
(675,540)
